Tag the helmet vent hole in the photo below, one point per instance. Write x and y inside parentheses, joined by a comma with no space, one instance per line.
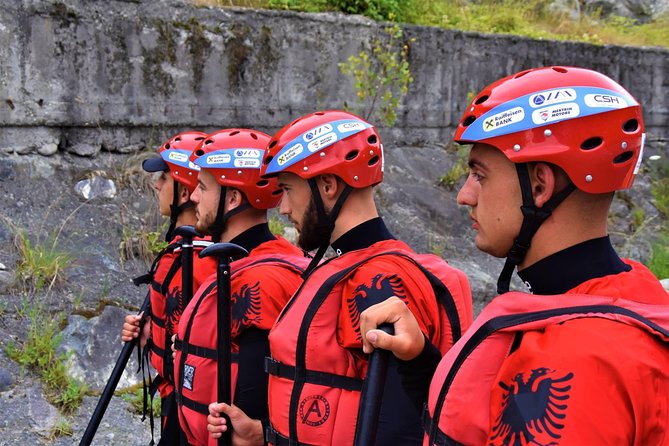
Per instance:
(352,155)
(254,136)
(559,69)
(177,139)
(481,100)
(272,144)
(631,126)
(592,143)
(236,132)
(521,74)
(167,146)
(468,120)
(262,183)
(625,156)
(209,141)
(372,139)
(199,152)
(268,159)
(373,161)
(199,138)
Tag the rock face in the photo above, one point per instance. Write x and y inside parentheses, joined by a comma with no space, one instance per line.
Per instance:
(108,79)
(85,77)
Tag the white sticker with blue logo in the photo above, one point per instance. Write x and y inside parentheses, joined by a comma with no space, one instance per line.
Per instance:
(545,107)
(315,140)
(550,97)
(231,158)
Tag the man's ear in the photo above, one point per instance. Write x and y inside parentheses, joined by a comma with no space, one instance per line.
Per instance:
(544,181)
(235,198)
(184,194)
(328,186)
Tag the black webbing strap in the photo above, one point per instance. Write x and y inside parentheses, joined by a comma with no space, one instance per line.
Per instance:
(533,217)
(201,352)
(274,367)
(276,439)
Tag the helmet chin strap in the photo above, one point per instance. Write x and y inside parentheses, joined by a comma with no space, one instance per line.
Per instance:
(533,217)
(175,211)
(324,219)
(216,228)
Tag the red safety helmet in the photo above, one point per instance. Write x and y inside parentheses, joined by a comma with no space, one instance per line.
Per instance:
(174,157)
(334,142)
(577,119)
(234,157)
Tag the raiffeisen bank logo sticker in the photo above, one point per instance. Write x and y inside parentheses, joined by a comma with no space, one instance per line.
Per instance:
(556,113)
(316,132)
(247,153)
(322,141)
(289,154)
(550,97)
(177,156)
(503,119)
(247,163)
(605,101)
(217,159)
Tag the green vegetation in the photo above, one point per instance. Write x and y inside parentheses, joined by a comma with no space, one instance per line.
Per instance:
(382,76)
(532,18)
(141,244)
(40,264)
(38,353)
(659,259)
(276,225)
(62,428)
(135,396)
(458,169)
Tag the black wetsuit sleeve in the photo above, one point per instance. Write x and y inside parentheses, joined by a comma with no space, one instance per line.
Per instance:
(251,390)
(416,374)
(399,420)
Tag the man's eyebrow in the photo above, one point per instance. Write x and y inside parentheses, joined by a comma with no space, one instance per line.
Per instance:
(473,163)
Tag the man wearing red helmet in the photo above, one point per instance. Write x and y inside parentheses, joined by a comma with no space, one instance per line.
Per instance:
(327,164)
(583,360)
(231,205)
(176,182)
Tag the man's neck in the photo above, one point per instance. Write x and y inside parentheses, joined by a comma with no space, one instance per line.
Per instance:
(358,208)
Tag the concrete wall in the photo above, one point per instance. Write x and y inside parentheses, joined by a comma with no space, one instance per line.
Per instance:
(82,76)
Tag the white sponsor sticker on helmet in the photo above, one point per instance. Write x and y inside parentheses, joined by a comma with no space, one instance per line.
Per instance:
(555,113)
(316,132)
(223,158)
(247,162)
(289,154)
(247,153)
(178,156)
(638,160)
(350,126)
(504,118)
(322,141)
(550,97)
(604,101)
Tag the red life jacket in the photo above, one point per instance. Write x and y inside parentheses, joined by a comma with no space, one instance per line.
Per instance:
(317,366)
(167,303)
(260,285)
(458,410)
